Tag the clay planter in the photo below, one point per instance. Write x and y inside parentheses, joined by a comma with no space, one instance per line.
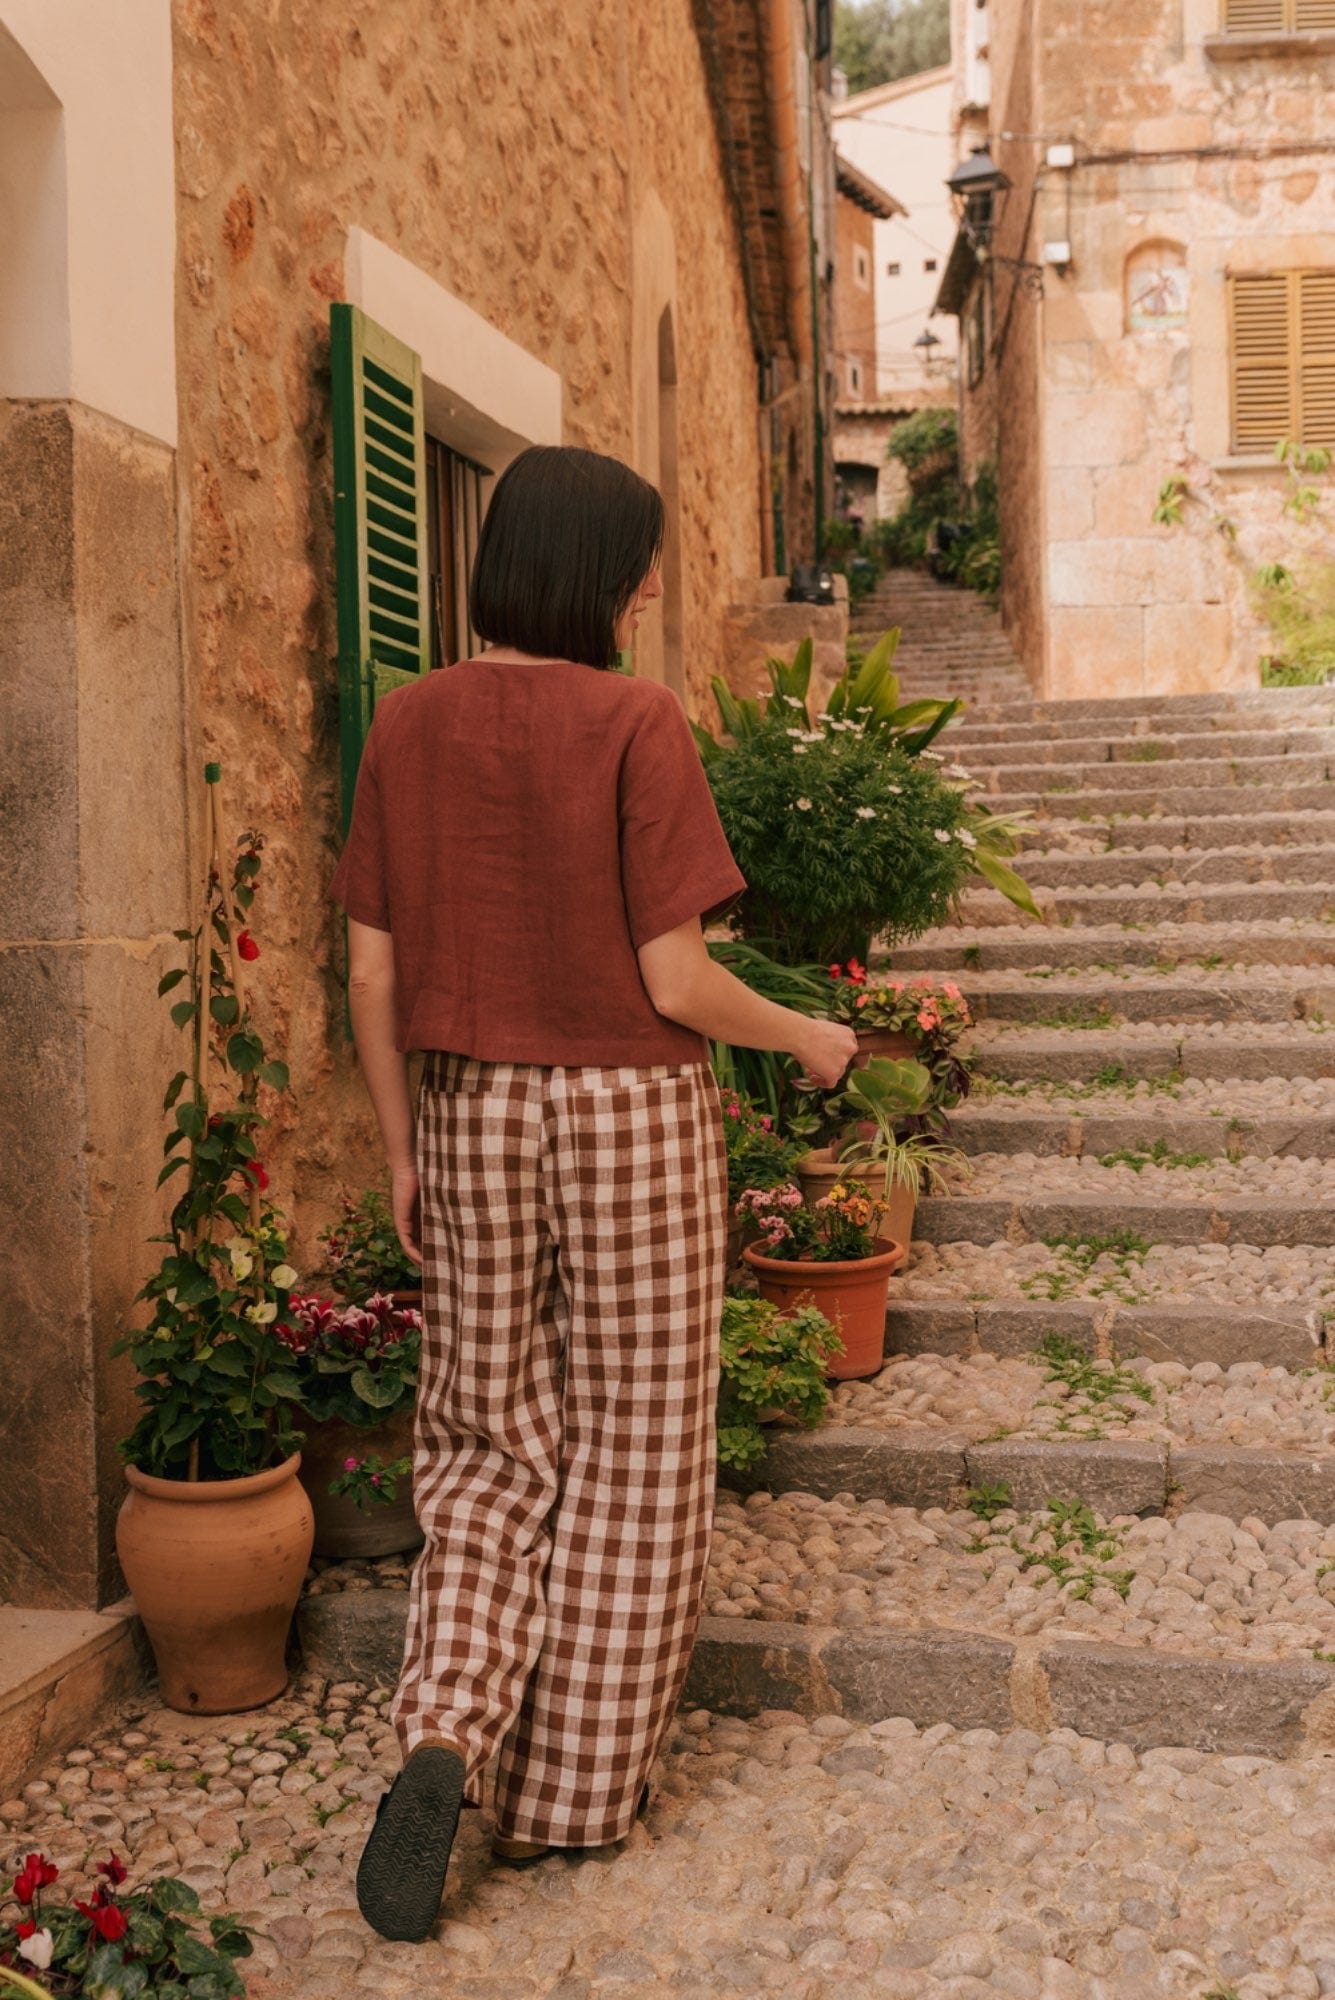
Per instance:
(215,1567)
(409,1297)
(818,1172)
(891,1042)
(851,1295)
(342,1528)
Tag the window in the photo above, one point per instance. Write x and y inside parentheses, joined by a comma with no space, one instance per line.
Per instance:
(454,516)
(892,270)
(929,263)
(861,268)
(1282,359)
(855,378)
(1271,17)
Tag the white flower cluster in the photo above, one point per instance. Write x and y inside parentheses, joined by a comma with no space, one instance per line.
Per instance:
(964,837)
(939,833)
(932,756)
(866,812)
(804,805)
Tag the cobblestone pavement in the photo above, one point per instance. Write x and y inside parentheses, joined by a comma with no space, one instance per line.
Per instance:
(808,1858)
(1301,1275)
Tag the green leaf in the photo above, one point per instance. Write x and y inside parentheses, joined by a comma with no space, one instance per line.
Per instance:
(191,1120)
(194,1283)
(275,1074)
(183,1011)
(225,1008)
(171,1167)
(195,1957)
(281,1382)
(174,1089)
(229,1359)
(710,750)
(377,1393)
(170,979)
(1004,878)
(245,1052)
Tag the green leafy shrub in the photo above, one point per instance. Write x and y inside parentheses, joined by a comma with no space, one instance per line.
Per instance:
(765,1077)
(758,1155)
(364,1251)
(769,1361)
(1299,607)
(356,1363)
(923,436)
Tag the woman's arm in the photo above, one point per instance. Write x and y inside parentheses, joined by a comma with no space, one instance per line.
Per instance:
(686,985)
(371,1000)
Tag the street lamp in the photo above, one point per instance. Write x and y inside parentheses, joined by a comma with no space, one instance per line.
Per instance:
(979,188)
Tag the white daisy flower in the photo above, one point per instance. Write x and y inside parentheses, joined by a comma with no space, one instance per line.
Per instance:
(804,805)
(898,790)
(799,749)
(793,732)
(939,833)
(965,838)
(957,771)
(866,812)
(932,756)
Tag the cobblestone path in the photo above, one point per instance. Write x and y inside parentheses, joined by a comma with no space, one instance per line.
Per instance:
(1029,1653)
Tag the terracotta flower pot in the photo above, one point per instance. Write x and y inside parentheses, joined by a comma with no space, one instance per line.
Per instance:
(892,1042)
(818,1172)
(342,1528)
(852,1295)
(215,1567)
(405,1296)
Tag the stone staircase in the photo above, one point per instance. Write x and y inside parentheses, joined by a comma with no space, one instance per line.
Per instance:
(1094,1486)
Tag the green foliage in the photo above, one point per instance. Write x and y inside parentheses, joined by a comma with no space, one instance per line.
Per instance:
(923,436)
(765,1078)
(1064,1360)
(372,1482)
(218,1386)
(356,1363)
(988,1500)
(758,1155)
(149,1944)
(1298,604)
(364,1251)
(878,41)
(769,1361)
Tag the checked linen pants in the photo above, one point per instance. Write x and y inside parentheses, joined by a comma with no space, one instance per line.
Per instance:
(564,1451)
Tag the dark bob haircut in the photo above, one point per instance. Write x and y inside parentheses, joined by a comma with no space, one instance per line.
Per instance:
(568,539)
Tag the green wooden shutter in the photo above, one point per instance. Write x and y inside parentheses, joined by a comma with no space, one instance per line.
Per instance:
(380,514)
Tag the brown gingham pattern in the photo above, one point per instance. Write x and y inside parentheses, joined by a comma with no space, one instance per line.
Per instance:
(564,1450)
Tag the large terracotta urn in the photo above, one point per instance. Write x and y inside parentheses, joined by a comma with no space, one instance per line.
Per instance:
(342,1528)
(215,1567)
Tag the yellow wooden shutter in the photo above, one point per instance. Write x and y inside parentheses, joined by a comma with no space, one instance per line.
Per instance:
(1316,356)
(1311,16)
(1256,17)
(1263,411)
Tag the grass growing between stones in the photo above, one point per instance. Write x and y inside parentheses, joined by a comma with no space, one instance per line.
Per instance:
(1077,1261)
(1160,1154)
(1094,1015)
(1066,1539)
(1099,1390)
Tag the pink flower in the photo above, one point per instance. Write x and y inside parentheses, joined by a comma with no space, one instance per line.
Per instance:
(351,1464)
(928,1020)
(767,1124)
(951,991)
(734,1111)
(862,1000)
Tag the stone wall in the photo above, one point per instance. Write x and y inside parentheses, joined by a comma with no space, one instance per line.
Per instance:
(91,814)
(855,333)
(504,150)
(1191,165)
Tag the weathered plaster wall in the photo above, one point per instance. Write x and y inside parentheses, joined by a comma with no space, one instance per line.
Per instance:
(855,332)
(1121,407)
(91,818)
(505,150)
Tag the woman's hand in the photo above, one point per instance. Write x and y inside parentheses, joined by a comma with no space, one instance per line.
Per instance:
(826,1050)
(405,1196)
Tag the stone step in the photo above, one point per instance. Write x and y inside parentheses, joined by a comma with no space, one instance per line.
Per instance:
(1281,1334)
(1212,947)
(1094,1129)
(1204,903)
(1149,1051)
(1281,993)
(1241,747)
(1208,710)
(1128,728)
(1183,774)
(1194,802)
(1179,835)
(1166,866)
(61,1674)
(1022,1217)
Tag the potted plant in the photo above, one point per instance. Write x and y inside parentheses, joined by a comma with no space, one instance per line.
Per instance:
(832,1256)
(146,1941)
(365,1255)
(214,1535)
(357,1371)
(772,1364)
(908,1017)
(870,1113)
(849,826)
(758,1157)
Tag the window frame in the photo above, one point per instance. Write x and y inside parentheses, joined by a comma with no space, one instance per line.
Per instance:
(1299,361)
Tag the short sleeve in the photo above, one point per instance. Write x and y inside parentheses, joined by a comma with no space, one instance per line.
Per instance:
(675,859)
(360,881)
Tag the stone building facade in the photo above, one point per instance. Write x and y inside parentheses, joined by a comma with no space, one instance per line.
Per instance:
(1149,298)
(593,225)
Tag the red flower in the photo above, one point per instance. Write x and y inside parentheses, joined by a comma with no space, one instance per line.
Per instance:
(857,973)
(37,1872)
(113,1868)
(107,1919)
(246,945)
(836,972)
(255,1174)
(26,1928)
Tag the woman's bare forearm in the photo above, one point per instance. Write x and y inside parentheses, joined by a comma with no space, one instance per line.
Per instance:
(371,1003)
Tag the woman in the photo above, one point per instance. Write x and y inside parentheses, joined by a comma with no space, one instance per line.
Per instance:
(532,848)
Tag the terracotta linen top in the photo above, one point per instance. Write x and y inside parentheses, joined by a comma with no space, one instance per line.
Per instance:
(521,830)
